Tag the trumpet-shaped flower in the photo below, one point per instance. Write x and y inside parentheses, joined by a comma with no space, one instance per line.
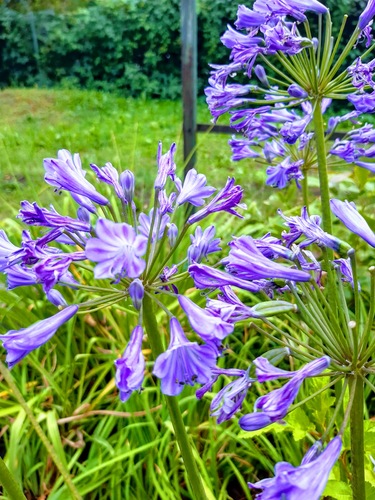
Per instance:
(183,362)
(353,220)
(19,343)
(131,366)
(194,189)
(166,166)
(306,481)
(202,244)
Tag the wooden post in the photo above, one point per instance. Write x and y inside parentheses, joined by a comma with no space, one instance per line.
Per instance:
(189,79)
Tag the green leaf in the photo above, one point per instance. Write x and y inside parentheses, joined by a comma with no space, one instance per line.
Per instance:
(300,423)
(338,490)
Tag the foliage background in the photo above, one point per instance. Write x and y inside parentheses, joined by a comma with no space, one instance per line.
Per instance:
(132,46)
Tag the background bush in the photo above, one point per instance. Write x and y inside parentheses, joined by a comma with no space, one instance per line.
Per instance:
(128,45)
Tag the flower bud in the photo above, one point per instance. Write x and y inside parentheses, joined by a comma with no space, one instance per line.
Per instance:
(127,182)
(261,75)
(273,307)
(172,234)
(136,292)
(83,214)
(295,90)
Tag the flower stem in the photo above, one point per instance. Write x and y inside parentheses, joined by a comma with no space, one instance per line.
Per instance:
(357,440)
(59,465)
(153,332)
(322,165)
(9,483)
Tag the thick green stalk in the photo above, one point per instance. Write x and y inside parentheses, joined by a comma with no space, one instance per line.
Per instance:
(153,332)
(357,441)
(8,482)
(60,466)
(322,165)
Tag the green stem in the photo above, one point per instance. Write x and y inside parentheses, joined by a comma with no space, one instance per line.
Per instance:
(322,165)
(9,483)
(153,332)
(59,465)
(357,440)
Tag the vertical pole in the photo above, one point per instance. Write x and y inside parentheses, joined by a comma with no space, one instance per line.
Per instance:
(189,80)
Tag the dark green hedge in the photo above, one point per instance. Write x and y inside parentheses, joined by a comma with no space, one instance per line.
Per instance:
(132,46)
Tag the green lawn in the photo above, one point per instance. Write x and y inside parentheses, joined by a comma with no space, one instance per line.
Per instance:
(35,123)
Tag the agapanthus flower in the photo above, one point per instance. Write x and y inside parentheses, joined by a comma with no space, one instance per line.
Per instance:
(261,74)
(306,481)
(166,166)
(345,269)
(365,103)
(19,343)
(295,90)
(208,277)
(6,248)
(33,215)
(136,292)
(292,130)
(127,182)
(109,175)
(362,73)
(166,203)
(131,366)
(229,399)
(52,270)
(194,189)
(160,224)
(241,149)
(117,249)
(221,99)
(348,214)
(228,199)
(367,15)
(65,172)
(228,305)
(308,226)
(280,175)
(284,39)
(274,405)
(247,262)
(184,362)
(203,243)
(172,234)
(208,325)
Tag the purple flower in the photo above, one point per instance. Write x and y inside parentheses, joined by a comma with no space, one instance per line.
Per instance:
(273,149)
(346,270)
(131,366)
(208,277)
(306,481)
(202,244)
(281,38)
(228,199)
(33,215)
(172,234)
(362,73)
(109,175)
(51,270)
(294,8)
(19,343)
(166,166)
(247,18)
(365,103)
(194,189)
(241,149)
(229,399)
(260,72)
(227,305)
(346,211)
(6,248)
(247,262)
(66,172)
(367,15)
(274,405)
(266,371)
(308,226)
(127,182)
(221,99)
(295,90)
(292,130)
(136,292)
(20,276)
(209,326)
(183,362)
(283,173)
(117,249)
(166,202)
